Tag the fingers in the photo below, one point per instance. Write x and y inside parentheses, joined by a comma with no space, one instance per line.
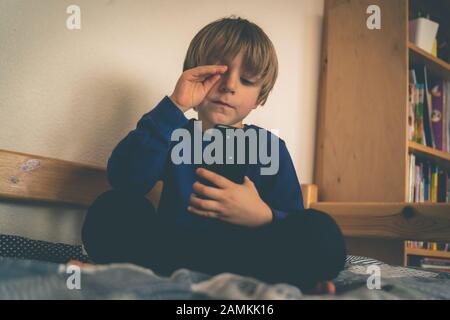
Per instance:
(209,83)
(210,192)
(208,70)
(202,73)
(213,177)
(248,181)
(205,204)
(205,213)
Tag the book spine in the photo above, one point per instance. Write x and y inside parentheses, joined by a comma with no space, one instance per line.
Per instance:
(412,177)
(442,185)
(435,183)
(418,130)
(429,139)
(444,117)
(417,186)
(421,196)
(447,108)
(427,176)
(437,112)
(431,180)
(411,108)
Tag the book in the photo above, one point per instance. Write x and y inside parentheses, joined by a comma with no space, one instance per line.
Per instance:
(412,76)
(427,113)
(428,110)
(432,246)
(442,186)
(434,266)
(412,164)
(422,103)
(447,116)
(426,180)
(437,114)
(417,184)
(432,184)
(418,115)
(411,110)
(435,173)
(417,187)
(436,261)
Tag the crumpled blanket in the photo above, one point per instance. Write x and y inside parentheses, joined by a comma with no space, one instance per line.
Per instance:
(29,279)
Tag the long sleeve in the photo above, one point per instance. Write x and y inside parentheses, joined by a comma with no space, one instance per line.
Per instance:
(138,161)
(285,194)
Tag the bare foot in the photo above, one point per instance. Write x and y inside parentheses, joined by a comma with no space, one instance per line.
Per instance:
(78,263)
(324,287)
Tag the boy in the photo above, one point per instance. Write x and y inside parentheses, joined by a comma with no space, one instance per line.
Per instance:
(256,228)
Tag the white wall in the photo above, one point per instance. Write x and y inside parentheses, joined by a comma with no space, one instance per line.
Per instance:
(74,94)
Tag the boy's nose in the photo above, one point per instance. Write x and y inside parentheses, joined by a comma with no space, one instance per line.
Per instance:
(228,84)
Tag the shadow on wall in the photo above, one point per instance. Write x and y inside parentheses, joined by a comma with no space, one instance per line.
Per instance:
(310,78)
(102,109)
(42,221)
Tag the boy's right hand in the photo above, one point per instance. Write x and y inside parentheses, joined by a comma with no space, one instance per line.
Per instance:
(194,84)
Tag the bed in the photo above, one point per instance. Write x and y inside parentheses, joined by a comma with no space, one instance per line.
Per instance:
(36,269)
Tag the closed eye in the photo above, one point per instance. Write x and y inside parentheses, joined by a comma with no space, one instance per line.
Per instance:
(246,82)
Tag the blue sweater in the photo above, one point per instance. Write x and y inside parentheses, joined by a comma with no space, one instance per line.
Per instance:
(143,157)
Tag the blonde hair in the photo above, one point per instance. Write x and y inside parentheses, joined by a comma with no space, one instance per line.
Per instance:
(224,39)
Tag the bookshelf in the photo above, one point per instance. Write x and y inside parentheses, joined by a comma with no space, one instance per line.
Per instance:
(362,145)
(425,253)
(412,256)
(436,66)
(438,156)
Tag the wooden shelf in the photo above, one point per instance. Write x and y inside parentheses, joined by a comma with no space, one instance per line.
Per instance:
(427,253)
(375,219)
(440,157)
(390,220)
(435,66)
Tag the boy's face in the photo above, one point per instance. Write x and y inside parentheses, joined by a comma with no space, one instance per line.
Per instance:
(235,88)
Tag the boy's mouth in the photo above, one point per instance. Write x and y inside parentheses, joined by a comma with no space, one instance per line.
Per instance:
(219,102)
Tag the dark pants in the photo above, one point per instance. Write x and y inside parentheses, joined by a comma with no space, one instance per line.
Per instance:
(302,249)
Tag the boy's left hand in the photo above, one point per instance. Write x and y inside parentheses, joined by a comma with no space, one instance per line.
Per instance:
(231,202)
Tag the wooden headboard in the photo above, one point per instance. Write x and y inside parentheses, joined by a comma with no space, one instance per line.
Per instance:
(28,177)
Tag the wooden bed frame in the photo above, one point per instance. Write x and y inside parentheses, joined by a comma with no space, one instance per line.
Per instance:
(367,226)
